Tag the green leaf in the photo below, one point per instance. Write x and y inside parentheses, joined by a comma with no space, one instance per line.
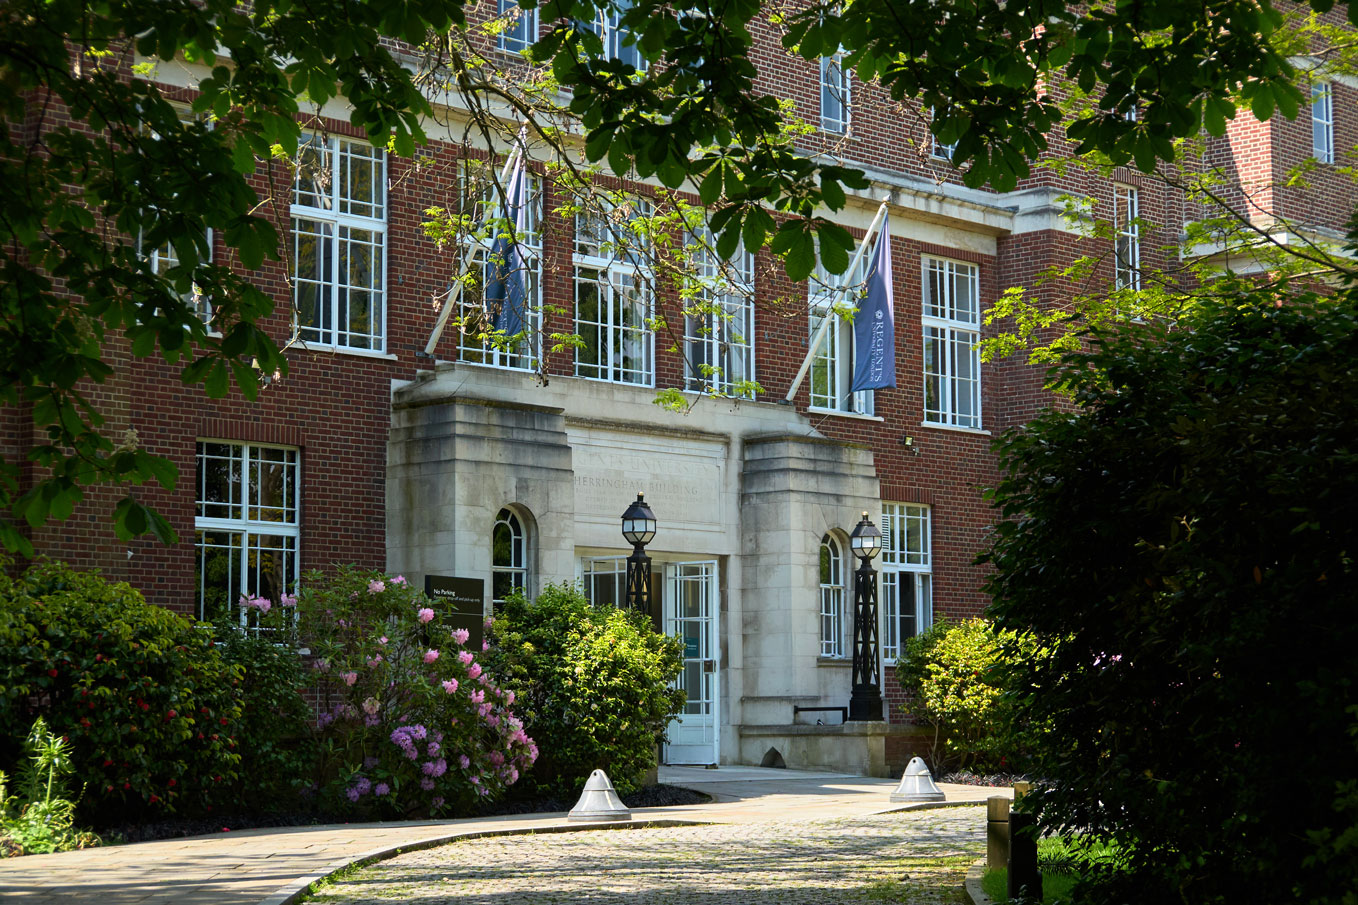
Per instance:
(243,157)
(801,257)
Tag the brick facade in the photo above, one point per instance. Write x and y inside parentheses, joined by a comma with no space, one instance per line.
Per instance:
(335,406)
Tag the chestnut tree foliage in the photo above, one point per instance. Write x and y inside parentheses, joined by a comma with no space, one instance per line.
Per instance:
(96,166)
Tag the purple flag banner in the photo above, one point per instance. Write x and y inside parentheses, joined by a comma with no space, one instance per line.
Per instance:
(507,271)
(874,326)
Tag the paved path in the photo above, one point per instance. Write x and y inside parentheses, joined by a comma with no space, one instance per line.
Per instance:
(915,857)
(254,867)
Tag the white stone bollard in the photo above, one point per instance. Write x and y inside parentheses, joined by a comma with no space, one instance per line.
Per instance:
(917,784)
(598,802)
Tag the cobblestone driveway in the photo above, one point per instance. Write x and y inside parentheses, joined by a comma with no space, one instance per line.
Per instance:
(915,857)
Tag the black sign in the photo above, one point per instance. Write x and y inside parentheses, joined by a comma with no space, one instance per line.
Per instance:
(459,603)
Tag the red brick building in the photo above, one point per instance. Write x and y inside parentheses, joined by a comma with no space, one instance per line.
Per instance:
(511,468)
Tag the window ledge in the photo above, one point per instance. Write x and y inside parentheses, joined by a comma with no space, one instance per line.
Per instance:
(956,429)
(815,410)
(833,661)
(347,350)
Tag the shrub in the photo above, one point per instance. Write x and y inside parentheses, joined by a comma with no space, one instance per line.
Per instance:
(45,821)
(1183,547)
(150,709)
(275,730)
(411,721)
(596,686)
(951,671)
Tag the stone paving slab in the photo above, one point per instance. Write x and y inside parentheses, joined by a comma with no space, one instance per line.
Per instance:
(250,867)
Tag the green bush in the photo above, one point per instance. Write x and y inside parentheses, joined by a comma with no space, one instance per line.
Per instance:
(951,671)
(1183,546)
(275,730)
(595,686)
(150,709)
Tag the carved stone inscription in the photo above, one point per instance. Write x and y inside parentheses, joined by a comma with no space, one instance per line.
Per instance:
(681,488)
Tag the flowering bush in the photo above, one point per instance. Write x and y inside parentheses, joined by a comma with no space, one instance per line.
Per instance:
(150,709)
(410,722)
(596,683)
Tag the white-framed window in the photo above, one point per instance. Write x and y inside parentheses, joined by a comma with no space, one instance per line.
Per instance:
(339,229)
(907,591)
(165,259)
(619,42)
(521,29)
(613,299)
(1322,122)
(247,525)
(952,331)
(482,202)
(719,320)
(831,598)
(604,580)
(1127,238)
(937,148)
(836,99)
(508,557)
(832,369)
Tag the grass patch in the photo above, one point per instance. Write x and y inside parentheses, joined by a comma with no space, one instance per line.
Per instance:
(1061,862)
(1056,887)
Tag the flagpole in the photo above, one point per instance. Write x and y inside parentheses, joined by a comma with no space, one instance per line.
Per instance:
(455,292)
(837,298)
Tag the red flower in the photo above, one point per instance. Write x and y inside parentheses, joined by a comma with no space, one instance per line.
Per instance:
(107,762)
(171,715)
(52,673)
(172,782)
(127,785)
(222,721)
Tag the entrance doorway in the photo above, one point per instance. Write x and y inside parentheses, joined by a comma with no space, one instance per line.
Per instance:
(691,606)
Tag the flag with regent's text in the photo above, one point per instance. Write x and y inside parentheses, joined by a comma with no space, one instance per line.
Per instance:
(507,271)
(874,326)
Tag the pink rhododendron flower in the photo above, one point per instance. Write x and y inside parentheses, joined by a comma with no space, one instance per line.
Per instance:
(320,665)
(509,698)
(477,697)
(350,678)
(376,586)
(425,614)
(450,685)
(485,645)
(464,761)
(474,670)
(374,660)
(461,635)
(399,580)
(436,802)
(430,656)
(287,599)
(382,640)
(371,706)
(466,657)
(381,789)
(427,784)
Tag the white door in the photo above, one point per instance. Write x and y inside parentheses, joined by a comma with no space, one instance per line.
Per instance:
(691,607)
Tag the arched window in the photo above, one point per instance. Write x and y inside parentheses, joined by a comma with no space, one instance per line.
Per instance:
(831,599)
(509,557)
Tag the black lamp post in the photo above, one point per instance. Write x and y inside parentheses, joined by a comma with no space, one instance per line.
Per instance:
(638,527)
(866,701)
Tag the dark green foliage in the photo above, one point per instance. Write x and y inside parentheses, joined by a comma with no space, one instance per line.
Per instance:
(275,728)
(1183,549)
(151,709)
(594,686)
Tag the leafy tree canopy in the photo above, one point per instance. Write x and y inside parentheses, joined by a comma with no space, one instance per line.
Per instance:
(74,267)
(1181,552)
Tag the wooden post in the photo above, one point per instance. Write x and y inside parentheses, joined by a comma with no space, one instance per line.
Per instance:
(997,832)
